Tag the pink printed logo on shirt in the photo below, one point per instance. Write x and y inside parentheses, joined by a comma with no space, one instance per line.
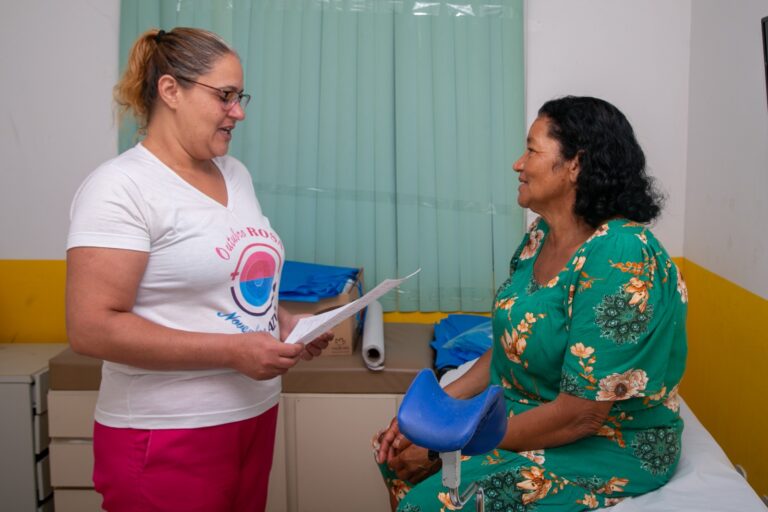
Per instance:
(255,279)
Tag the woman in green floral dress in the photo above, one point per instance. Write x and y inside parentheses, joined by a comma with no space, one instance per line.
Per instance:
(589,335)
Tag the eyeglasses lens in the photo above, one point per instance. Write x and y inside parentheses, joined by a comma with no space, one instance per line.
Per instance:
(233,97)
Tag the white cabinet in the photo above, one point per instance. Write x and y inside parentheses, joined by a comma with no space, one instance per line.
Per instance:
(328,457)
(24,463)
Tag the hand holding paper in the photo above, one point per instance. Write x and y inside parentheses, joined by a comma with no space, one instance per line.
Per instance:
(311,327)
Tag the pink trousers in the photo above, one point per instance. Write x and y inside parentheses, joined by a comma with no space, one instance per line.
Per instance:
(211,469)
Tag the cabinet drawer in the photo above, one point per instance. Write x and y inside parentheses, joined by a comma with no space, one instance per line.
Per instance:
(70,413)
(77,500)
(43,476)
(40,391)
(40,426)
(71,463)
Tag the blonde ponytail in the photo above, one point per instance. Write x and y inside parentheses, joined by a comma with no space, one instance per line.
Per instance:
(182,52)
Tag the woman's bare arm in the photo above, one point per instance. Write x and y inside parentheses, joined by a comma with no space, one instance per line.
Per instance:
(561,421)
(101,292)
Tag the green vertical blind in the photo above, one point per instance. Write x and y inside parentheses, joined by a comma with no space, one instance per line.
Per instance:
(381,133)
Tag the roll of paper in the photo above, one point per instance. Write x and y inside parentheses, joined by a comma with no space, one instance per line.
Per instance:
(373,337)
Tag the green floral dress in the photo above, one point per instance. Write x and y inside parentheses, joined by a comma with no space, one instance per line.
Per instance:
(609,326)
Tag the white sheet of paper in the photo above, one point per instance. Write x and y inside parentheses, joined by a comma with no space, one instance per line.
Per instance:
(309,328)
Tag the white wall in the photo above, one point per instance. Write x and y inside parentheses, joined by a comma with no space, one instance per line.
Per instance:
(727,190)
(633,54)
(58,62)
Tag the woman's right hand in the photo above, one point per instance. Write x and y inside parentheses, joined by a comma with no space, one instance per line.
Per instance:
(386,442)
(262,357)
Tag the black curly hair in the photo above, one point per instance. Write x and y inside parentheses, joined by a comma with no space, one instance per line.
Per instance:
(612,181)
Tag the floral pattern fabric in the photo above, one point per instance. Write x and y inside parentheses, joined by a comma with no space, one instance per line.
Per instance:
(609,326)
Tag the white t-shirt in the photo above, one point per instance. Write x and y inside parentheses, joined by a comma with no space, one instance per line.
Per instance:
(211,268)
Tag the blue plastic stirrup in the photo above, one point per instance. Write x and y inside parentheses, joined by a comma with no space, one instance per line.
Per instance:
(434,420)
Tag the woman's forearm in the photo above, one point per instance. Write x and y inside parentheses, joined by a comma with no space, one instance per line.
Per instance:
(127,338)
(474,381)
(564,420)
(124,337)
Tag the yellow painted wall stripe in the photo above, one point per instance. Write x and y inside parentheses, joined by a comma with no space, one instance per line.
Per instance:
(725,382)
(420,318)
(32,301)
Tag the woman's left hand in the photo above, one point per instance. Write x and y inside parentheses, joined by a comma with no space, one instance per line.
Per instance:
(412,464)
(287,323)
(315,347)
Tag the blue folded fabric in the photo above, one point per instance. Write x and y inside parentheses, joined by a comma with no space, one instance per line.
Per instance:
(311,282)
(460,338)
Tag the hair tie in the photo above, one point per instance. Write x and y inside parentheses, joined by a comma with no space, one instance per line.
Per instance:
(159,36)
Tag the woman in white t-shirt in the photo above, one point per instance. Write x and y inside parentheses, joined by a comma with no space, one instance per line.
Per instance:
(172,279)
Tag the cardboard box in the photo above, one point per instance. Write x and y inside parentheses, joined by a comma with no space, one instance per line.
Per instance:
(346,334)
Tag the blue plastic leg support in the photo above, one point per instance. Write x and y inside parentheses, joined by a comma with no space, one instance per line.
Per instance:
(430,418)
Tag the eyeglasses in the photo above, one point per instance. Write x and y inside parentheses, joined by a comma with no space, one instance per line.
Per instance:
(228,98)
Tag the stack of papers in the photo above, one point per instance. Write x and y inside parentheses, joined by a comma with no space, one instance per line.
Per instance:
(309,328)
